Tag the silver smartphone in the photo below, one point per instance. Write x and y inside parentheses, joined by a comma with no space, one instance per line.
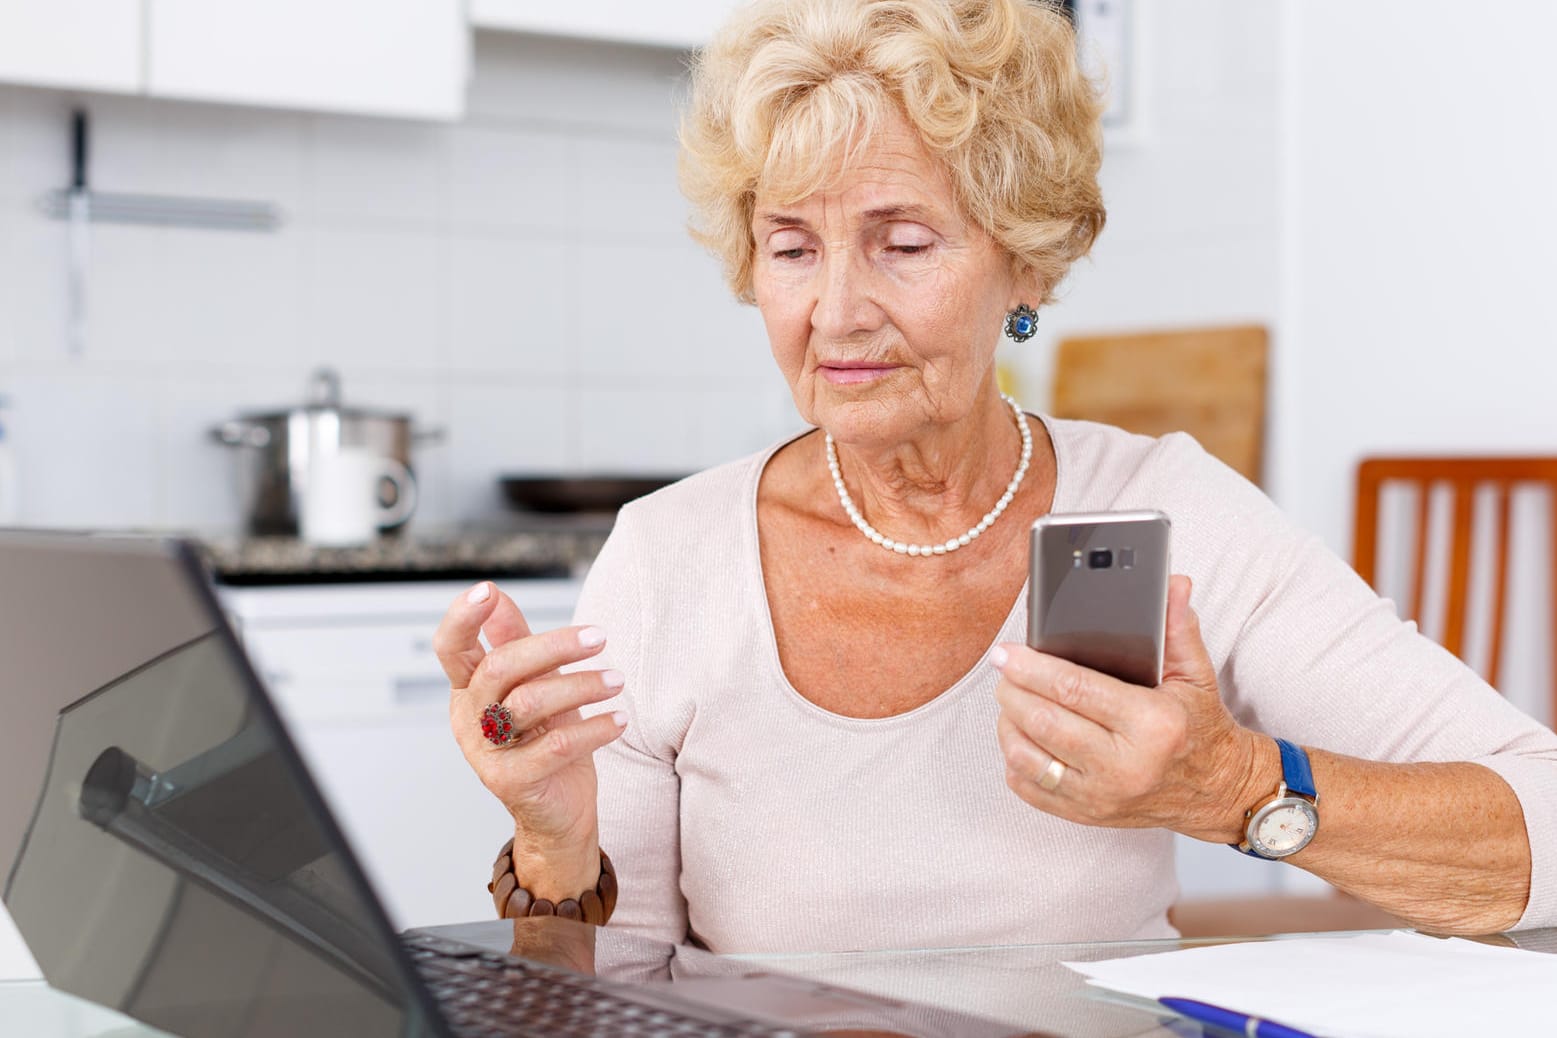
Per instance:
(1097,592)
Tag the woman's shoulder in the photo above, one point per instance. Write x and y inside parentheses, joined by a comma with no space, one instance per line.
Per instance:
(698,497)
(717,502)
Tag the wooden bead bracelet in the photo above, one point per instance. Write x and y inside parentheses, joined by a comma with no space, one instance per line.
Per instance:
(514,902)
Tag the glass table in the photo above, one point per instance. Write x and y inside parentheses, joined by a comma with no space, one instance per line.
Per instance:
(963,992)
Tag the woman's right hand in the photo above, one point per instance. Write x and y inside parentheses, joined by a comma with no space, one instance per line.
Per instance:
(546,777)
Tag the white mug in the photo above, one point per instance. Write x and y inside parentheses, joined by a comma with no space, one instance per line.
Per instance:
(341,502)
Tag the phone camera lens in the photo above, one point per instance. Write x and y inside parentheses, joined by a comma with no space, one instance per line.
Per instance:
(1100,558)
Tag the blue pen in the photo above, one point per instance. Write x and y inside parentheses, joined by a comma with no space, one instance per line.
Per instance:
(1228,1020)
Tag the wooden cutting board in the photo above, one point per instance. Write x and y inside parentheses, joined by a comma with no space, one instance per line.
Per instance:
(1208,382)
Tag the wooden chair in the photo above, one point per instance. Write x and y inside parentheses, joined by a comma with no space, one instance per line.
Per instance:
(1208,382)
(1464,478)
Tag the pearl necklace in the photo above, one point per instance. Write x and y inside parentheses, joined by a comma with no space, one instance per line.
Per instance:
(956,542)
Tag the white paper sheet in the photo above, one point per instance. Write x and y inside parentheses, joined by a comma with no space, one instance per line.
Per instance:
(1396,985)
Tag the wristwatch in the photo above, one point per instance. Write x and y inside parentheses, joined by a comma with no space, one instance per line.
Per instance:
(1285,823)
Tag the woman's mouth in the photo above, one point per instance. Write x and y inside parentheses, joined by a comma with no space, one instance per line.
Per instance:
(847,373)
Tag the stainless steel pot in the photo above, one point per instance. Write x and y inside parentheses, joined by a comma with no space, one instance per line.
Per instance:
(279,448)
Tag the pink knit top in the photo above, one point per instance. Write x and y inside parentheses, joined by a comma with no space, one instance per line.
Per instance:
(742,816)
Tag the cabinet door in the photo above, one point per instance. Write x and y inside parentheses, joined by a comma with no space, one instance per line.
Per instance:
(83,44)
(417,817)
(685,23)
(375,57)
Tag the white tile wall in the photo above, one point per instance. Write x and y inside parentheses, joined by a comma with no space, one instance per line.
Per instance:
(34,148)
(522,280)
(32,285)
(509,426)
(633,320)
(501,177)
(102,467)
(208,150)
(8,311)
(372,299)
(628,187)
(174,296)
(375,172)
(637,425)
(509,305)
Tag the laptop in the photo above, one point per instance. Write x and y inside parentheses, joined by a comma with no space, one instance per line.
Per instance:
(164,851)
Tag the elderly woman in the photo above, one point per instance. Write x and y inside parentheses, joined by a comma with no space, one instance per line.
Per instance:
(803,716)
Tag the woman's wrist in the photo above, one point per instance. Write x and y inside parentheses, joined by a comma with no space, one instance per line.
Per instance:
(514,898)
(1250,775)
(555,871)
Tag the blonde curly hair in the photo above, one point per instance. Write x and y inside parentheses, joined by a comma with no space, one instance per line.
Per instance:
(789,90)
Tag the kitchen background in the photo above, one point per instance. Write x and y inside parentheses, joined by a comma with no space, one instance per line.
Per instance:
(1375,189)
(520,276)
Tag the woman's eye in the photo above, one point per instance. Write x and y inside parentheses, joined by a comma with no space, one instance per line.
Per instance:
(908,248)
(790,254)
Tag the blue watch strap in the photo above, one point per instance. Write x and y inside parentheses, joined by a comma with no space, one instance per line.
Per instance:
(1295,771)
(1296,775)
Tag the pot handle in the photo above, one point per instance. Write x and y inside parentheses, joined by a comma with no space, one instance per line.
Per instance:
(428,437)
(240,434)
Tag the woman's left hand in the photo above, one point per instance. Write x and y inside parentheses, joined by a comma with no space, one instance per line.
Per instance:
(1169,757)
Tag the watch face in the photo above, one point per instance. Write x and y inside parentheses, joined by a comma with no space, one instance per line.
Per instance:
(1283,827)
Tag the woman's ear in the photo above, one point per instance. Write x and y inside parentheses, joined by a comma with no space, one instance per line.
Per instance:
(1027,286)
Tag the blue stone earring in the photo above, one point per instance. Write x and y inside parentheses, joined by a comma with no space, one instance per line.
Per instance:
(1022,322)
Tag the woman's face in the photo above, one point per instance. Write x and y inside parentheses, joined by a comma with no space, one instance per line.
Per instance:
(883,303)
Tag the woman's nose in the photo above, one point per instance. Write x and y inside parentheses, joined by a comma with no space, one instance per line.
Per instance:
(844,301)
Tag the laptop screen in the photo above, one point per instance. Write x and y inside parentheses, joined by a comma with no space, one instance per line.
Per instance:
(162,850)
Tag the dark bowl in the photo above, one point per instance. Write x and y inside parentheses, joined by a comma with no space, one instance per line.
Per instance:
(578,493)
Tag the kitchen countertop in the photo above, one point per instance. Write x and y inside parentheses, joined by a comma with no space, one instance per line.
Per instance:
(533,546)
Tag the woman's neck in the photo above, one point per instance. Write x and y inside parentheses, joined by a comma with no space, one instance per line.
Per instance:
(939,483)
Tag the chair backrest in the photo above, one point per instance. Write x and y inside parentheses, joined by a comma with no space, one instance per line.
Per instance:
(1465,478)
(1208,382)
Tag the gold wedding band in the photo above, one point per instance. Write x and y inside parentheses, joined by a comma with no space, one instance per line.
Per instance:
(1050,779)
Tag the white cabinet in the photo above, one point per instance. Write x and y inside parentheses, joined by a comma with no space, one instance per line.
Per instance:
(407,58)
(86,44)
(352,671)
(375,57)
(683,23)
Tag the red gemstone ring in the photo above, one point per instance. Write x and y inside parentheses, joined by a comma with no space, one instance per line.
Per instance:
(497,724)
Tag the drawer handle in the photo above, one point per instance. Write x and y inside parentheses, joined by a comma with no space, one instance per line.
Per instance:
(415,691)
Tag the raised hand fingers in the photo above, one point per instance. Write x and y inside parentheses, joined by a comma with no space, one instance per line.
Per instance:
(1048,726)
(1104,700)
(1026,765)
(508,666)
(458,638)
(570,742)
(539,701)
(1023,756)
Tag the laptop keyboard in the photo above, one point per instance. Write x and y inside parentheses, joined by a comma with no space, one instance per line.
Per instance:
(483,994)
